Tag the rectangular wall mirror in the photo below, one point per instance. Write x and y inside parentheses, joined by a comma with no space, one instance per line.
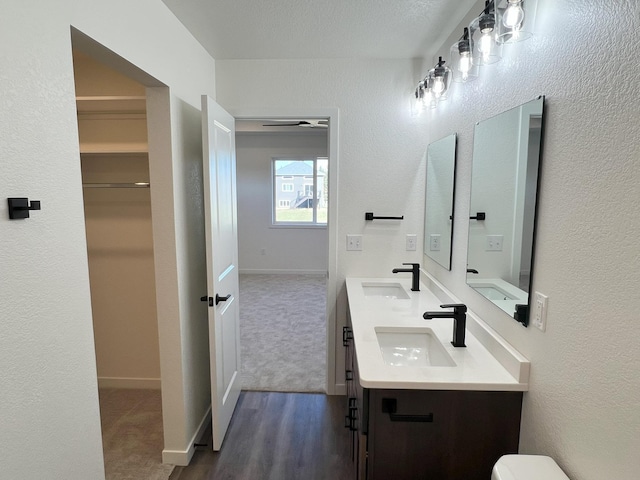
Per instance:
(438,216)
(504,189)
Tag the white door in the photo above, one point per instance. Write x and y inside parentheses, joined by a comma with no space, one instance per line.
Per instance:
(219,173)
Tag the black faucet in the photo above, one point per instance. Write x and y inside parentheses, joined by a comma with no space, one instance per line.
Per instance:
(459,316)
(415,271)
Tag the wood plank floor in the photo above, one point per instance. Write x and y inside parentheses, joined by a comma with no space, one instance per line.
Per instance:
(278,436)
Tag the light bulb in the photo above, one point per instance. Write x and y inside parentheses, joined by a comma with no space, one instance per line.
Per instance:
(438,86)
(427,97)
(484,46)
(513,15)
(487,31)
(464,65)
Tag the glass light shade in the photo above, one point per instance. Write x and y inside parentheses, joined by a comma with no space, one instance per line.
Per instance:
(429,98)
(462,67)
(513,20)
(441,81)
(483,32)
(418,104)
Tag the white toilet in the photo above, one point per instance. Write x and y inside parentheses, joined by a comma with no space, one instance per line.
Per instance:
(527,467)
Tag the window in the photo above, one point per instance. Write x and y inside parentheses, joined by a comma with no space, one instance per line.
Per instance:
(303,198)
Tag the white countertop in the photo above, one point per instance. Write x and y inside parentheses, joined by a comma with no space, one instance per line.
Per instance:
(476,367)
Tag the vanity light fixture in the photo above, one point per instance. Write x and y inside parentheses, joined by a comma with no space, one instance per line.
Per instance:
(510,17)
(483,34)
(500,22)
(460,55)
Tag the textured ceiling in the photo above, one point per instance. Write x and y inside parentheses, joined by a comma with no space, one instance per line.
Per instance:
(261,29)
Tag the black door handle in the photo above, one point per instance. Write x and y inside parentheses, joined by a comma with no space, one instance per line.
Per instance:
(222,299)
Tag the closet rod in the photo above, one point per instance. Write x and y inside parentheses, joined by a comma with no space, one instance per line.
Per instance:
(117,185)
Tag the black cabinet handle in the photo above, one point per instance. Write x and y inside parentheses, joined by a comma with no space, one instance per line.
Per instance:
(370,216)
(222,299)
(479,216)
(348,375)
(390,405)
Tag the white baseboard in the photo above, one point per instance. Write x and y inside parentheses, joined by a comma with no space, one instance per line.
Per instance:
(183,457)
(132,383)
(251,271)
(340,389)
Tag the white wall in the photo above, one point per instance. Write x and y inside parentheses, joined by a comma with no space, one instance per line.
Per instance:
(121,270)
(291,250)
(582,407)
(47,358)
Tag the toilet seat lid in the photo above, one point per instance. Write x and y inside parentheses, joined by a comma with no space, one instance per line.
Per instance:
(527,467)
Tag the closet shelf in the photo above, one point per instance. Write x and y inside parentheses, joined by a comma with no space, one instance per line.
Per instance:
(114,149)
(117,185)
(111,104)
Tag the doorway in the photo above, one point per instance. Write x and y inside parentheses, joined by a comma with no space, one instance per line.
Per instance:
(286,181)
(112,130)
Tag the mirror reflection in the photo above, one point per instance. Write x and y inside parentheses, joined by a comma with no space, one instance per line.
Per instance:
(438,221)
(504,185)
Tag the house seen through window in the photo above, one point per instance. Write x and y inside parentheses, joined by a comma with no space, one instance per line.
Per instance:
(300,191)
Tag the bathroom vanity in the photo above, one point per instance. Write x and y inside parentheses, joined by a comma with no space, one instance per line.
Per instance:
(418,407)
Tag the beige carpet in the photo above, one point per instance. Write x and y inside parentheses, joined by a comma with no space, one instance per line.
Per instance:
(283,332)
(132,437)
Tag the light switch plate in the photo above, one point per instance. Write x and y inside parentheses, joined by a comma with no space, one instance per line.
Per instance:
(354,242)
(494,243)
(540,311)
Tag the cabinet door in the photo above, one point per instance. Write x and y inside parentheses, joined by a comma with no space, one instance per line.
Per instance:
(484,426)
(440,435)
(410,442)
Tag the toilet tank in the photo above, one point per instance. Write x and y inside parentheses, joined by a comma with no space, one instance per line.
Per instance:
(527,467)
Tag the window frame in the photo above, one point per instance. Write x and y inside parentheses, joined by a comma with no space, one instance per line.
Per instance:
(305,179)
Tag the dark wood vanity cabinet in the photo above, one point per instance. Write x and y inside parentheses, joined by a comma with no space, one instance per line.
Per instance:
(427,434)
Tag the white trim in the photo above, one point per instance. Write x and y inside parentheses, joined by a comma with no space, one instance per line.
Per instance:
(130,383)
(183,457)
(331,113)
(271,271)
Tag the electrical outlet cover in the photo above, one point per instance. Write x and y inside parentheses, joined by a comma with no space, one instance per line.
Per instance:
(412,242)
(434,242)
(540,311)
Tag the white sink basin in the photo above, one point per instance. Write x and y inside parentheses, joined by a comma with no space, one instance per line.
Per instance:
(412,347)
(493,293)
(384,289)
